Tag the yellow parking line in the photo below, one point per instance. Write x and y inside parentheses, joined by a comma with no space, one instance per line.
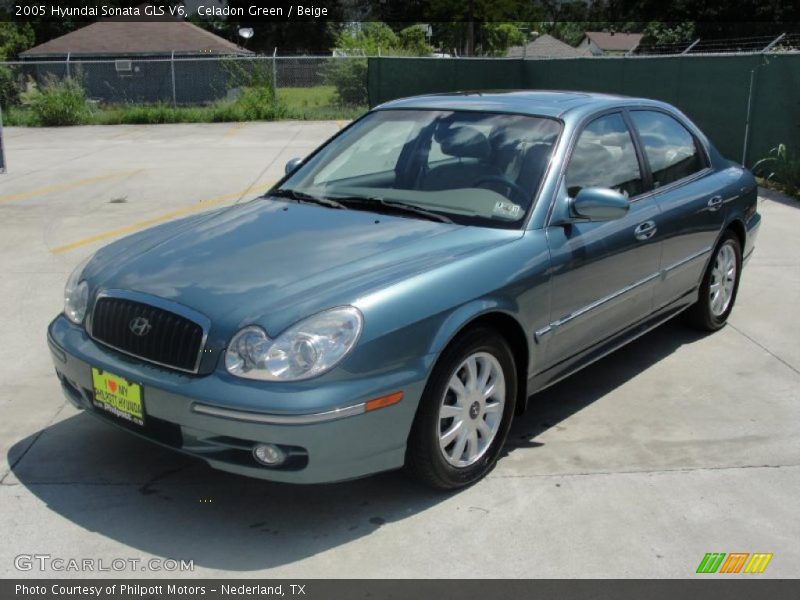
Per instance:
(181,212)
(232,131)
(68,185)
(127,131)
(340,123)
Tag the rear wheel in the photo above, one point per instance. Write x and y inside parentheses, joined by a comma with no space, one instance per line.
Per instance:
(465,412)
(720,285)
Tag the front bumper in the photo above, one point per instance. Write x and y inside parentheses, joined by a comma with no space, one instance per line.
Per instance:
(219,418)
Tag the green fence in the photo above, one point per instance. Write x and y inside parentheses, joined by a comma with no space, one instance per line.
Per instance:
(712,90)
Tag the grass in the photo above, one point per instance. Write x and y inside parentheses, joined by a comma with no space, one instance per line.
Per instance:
(310,103)
(318,102)
(57,102)
(16,116)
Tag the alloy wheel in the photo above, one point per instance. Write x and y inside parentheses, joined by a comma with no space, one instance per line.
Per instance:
(723,280)
(471,409)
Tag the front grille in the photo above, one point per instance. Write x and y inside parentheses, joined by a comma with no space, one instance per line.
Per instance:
(170,340)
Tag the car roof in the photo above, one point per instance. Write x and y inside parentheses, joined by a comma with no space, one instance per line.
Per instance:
(548,103)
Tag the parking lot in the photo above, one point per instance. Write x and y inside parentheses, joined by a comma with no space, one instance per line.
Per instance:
(678,445)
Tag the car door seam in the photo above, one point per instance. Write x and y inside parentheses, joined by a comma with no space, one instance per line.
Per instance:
(552,327)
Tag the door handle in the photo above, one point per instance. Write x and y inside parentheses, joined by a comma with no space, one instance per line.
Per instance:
(715,203)
(644,231)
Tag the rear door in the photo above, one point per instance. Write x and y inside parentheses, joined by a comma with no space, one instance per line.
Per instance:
(603,273)
(688,195)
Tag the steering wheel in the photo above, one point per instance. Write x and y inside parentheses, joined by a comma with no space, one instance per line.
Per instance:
(513,188)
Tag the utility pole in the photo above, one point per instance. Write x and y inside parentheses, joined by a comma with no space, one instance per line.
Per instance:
(470,47)
(275,75)
(174,91)
(2,151)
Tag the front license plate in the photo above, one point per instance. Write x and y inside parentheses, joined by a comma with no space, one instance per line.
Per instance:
(118,396)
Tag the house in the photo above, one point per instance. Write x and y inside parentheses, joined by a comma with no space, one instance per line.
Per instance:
(546,46)
(600,43)
(143,38)
(120,60)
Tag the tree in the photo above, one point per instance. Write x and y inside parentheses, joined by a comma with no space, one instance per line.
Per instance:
(414,41)
(367,39)
(497,38)
(658,33)
(349,76)
(14,38)
(479,25)
(374,38)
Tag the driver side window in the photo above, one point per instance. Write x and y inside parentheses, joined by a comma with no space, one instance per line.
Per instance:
(605,157)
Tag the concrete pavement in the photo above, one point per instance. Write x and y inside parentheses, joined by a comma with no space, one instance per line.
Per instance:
(678,445)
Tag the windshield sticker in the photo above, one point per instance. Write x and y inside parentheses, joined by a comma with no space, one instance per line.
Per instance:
(507,210)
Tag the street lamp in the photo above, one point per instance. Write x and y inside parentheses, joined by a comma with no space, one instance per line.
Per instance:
(246,33)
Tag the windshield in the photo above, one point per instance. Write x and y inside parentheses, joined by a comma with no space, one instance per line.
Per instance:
(469,167)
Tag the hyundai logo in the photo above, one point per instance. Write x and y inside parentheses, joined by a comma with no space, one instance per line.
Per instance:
(140,326)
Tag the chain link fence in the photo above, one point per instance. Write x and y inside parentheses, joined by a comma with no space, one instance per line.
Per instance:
(746,100)
(306,86)
(786,42)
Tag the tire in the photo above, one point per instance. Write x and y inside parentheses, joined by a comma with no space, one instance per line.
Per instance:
(711,311)
(451,465)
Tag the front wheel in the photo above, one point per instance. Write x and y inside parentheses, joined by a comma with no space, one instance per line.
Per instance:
(719,286)
(465,412)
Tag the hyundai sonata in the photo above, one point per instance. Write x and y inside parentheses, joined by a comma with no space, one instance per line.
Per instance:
(395,299)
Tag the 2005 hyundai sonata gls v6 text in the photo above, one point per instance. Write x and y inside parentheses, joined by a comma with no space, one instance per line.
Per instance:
(397,296)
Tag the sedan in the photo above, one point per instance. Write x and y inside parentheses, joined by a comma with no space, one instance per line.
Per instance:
(397,297)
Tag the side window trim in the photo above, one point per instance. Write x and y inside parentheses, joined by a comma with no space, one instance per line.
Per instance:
(675,184)
(644,163)
(651,191)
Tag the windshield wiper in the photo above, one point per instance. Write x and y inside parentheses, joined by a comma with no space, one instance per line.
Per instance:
(390,206)
(299,196)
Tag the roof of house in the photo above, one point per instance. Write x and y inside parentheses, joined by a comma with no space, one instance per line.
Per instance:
(614,41)
(545,46)
(120,37)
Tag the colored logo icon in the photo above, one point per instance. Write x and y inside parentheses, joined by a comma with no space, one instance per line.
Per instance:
(735,562)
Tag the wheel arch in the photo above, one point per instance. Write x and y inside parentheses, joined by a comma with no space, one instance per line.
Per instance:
(502,320)
(737,226)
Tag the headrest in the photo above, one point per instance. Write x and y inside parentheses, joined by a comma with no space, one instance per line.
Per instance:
(464,142)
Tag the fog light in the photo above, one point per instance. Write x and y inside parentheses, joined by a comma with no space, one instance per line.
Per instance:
(269,454)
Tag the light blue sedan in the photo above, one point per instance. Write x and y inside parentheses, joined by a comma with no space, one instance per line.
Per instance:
(396,298)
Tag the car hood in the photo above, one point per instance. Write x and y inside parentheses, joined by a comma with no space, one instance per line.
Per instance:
(273,262)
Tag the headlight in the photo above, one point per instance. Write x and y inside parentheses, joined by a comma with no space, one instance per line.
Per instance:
(307,349)
(76,294)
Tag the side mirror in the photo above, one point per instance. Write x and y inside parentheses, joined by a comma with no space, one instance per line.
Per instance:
(292,165)
(599,204)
